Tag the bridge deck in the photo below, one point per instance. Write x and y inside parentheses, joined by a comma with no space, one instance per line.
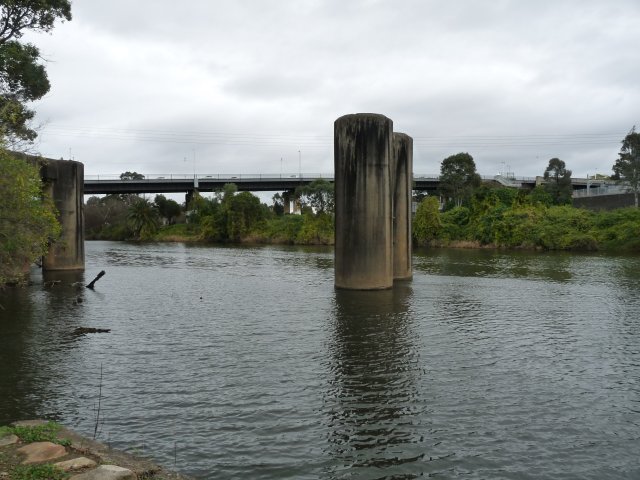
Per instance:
(172,183)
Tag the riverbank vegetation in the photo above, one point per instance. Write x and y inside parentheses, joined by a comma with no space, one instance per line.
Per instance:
(507,218)
(228,216)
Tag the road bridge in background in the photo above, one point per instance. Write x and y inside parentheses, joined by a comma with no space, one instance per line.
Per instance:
(172,183)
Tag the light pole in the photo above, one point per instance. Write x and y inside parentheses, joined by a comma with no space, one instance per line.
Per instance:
(299,165)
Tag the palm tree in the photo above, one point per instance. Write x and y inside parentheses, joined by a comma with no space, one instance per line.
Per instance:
(144,218)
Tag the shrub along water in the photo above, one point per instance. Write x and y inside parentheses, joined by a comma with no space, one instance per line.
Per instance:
(504,220)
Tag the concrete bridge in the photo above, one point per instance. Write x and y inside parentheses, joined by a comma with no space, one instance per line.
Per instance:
(258,182)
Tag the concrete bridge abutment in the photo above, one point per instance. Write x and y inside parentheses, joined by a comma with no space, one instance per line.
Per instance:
(64,182)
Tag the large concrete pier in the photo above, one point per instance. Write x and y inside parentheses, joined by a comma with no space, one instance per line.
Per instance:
(64,182)
(363,229)
(402,184)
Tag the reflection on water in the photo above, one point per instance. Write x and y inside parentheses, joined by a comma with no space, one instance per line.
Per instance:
(371,400)
(247,363)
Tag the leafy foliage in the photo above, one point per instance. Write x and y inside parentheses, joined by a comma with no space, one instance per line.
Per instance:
(144,219)
(529,223)
(22,78)
(27,218)
(131,176)
(20,15)
(627,166)
(458,178)
(427,223)
(167,208)
(558,182)
(319,195)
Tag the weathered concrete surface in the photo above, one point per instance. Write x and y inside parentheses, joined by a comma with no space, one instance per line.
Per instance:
(64,182)
(41,452)
(363,232)
(402,184)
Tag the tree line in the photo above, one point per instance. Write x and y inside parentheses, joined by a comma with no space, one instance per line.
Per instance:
(226,216)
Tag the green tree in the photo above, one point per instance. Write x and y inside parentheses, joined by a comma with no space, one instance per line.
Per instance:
(131,176)
(167,208)
(319,195)
(27,219)
(427,223)
(627,166)
(242,213)
(278,204)
(458,178)
(144,219)
(558,182)
(539,196)
(22,78)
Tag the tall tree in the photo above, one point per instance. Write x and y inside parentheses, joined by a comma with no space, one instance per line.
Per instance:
(319,195)
(458,178)
(627,166)
(558,182)
(167,208)
(22,78)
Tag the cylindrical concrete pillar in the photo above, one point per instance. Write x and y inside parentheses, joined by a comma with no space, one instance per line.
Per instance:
(286,199)
(363,236)
(64,181)
(402,185)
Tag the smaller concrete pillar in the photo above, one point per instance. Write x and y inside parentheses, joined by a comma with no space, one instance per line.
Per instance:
(286,199)
(64,182)
(363,236)
(402,184)
(187,198)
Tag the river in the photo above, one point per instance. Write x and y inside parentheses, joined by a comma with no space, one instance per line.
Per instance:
(245,362)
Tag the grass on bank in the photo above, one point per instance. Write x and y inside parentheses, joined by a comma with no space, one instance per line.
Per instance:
(47,432)
(38,472)
(28,434)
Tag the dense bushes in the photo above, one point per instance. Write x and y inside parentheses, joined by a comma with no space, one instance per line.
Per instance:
(503,220)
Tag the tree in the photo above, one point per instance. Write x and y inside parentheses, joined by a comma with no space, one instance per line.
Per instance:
(458,178)
(144,219)
(427,223)
(131,176)
(242,213)
(27,219)
(22,78)
(627,166)
(558,182)
(167,208)
(319,195)
(278,204)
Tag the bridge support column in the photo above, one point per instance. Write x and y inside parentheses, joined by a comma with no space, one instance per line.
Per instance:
(189,196)
(363,230)
(64,182)
(286,199)
(402,183)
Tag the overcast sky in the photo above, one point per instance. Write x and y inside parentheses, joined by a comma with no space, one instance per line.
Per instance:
(254,86)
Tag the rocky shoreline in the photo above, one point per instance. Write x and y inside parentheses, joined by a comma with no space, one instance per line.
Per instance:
(80,457)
